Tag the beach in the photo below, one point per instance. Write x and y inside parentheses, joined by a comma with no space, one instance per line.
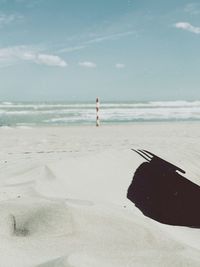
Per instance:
(99,133)
(63,196)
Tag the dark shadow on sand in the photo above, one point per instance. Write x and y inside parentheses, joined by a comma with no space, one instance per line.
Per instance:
(163,194)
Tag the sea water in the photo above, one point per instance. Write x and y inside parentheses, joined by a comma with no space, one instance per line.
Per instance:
(68,113)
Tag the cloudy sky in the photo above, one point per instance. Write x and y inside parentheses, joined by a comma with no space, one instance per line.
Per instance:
(115,49)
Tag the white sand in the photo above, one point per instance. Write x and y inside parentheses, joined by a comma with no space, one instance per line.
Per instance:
(63,197)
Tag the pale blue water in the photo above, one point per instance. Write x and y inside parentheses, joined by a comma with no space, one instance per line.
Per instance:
(64,113)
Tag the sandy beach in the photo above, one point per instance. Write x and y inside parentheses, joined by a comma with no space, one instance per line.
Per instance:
(63,196)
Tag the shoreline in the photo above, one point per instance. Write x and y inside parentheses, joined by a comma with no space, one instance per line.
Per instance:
(103,124)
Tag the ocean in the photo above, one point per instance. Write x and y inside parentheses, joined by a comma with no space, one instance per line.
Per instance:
(67,113)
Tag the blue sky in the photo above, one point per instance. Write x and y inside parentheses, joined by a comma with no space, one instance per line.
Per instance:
(116,49)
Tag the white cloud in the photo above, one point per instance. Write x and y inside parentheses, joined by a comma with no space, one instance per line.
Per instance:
(28,56)
(114,36)
(50,60)
(187,27)
(98,39)
(6,19)
(87,64)
(12,53)
(15,54)
(71,49)
(120,66)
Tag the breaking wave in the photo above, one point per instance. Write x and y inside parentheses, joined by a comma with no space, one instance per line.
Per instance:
(20,113)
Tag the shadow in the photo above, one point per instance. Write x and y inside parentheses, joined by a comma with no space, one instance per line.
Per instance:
(163,194)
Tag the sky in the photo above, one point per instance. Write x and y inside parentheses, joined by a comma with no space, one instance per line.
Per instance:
(118,50)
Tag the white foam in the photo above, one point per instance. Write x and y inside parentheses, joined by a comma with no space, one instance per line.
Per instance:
(68,113)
